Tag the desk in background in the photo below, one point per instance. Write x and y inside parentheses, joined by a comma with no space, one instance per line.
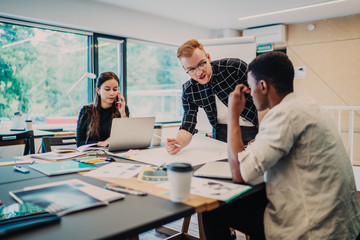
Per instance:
(17,150)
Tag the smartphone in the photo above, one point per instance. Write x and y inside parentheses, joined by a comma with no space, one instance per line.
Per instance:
(116,102)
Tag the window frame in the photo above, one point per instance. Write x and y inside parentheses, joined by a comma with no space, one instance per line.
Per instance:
(122,78)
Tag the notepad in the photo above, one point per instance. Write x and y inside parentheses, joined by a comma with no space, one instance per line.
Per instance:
(63,167)
(214,170)
(152,174)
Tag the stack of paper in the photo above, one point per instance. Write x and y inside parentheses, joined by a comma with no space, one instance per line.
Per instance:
(54,156)
(223,191)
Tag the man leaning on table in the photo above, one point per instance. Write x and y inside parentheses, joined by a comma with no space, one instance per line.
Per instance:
(209,88)
(309,179)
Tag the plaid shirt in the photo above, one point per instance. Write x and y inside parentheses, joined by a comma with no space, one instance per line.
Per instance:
(227,73)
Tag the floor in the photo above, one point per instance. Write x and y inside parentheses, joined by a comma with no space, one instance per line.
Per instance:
(193,230)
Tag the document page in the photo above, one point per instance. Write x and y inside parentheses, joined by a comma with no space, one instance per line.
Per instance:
(200,150)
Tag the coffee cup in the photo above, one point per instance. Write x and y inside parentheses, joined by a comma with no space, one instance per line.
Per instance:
(179,175)
(156,140)
(28,124)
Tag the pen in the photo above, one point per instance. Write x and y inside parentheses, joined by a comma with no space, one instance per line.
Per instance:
(162,167)
(125,190)
(177,145)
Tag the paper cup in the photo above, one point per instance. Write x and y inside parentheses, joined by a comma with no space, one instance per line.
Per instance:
(156,139)
(179,175)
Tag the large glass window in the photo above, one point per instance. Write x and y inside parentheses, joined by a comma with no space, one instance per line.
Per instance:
(110,55)
(154,79)
(46,74)
(43,74)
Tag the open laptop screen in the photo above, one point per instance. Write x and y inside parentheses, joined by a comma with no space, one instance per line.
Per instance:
(131,133)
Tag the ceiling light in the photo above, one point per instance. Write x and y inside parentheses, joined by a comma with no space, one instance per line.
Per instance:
(311,27)
(290,10)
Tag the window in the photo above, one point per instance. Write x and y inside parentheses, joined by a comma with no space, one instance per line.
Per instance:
(46,74)
(154,81)
(43,74)
(110,55)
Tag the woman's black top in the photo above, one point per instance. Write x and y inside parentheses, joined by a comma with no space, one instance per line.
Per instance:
(84,122)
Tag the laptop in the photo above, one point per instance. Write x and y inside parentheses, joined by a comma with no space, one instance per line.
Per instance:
(214,170)
(131,133)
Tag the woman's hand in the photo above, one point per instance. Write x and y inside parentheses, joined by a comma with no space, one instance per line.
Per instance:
(121,104)
(104,143)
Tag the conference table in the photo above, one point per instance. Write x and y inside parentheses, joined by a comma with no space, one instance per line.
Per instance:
(121,219)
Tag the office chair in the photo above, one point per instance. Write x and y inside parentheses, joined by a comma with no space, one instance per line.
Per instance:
(48,142)
(17,138)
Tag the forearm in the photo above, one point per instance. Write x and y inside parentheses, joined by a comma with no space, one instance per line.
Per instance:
(123,114)
(184,137)
(235,145)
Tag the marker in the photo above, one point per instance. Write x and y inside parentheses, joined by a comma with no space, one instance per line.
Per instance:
(21,169)
(7,163)
(162,167)
(125,190)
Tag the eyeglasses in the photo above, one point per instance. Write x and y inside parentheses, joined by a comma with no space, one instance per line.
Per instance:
(201,66)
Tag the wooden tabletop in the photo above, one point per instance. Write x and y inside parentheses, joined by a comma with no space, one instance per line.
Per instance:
(200,204)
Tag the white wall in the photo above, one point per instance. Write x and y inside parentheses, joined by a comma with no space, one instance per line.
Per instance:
(102,18)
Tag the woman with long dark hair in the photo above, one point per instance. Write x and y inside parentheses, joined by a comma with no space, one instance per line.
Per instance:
(94,122)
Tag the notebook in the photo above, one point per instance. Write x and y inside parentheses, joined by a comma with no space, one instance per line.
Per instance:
(58,156)
(214,170)
(65,196)
(131,133)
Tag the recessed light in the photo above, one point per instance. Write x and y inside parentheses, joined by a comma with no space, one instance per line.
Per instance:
(290,9)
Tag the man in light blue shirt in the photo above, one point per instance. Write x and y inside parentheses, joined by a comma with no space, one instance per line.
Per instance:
(309,179)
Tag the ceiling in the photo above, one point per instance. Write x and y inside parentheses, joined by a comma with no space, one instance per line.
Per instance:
(224,14)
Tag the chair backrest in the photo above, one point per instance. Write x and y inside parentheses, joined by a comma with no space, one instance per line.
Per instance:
(16,138)
(48,142)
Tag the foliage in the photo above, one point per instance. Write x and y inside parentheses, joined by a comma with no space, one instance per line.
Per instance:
(37,67)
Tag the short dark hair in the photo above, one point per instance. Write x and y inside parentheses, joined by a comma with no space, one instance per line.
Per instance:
(275,68)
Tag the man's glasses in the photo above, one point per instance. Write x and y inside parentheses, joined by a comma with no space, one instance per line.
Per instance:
(201,66)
